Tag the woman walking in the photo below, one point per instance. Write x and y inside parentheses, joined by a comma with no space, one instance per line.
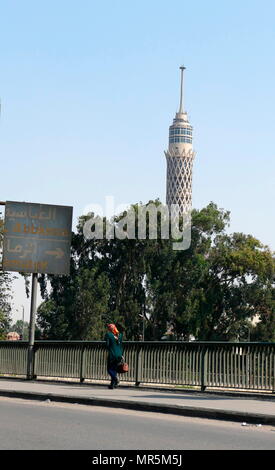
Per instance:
(113,341)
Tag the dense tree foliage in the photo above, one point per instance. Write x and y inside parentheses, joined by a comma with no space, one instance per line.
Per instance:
(210,291)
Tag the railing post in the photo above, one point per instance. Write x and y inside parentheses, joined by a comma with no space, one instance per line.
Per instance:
(137,365)
(35,349)
(203,368)
(273,386)
(82,364)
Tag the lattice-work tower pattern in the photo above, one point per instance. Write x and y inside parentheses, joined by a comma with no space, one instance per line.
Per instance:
(180,157)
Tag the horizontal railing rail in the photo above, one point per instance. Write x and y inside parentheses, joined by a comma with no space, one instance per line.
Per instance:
(248,366)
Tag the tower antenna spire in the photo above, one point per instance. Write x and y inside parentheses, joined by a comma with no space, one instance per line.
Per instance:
(182,68)
(180,157)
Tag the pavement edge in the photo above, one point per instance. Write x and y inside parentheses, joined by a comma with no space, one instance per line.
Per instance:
(199,412)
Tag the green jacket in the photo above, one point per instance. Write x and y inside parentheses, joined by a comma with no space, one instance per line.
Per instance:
(114,347)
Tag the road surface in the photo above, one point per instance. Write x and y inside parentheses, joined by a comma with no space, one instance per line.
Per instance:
(32,425)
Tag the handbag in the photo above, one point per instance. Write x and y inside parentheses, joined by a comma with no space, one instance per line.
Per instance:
(122,366)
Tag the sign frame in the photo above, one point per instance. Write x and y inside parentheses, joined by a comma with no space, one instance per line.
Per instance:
(37,238)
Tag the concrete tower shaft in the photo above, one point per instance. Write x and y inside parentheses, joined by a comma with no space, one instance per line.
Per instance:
(180,157)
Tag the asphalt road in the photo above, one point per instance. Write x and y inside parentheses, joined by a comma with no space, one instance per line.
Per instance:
(32,425)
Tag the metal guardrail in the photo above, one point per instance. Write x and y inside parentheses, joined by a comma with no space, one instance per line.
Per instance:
(248,366)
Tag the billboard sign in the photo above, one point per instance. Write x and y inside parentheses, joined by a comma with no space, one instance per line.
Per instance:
(37,238)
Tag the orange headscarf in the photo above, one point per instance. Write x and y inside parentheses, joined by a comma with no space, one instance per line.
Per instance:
(111,327)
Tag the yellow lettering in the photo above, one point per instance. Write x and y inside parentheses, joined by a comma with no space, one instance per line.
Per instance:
(42,265)
(34,229)
(17,228)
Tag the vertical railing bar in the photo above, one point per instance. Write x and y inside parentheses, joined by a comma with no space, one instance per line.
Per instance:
(175,365)
(232,365)
(214,356)
(157,365)
(262,370)
(197,366)
(226,370)
(270,382)
(243,379)
(149,364)
(214,365)
(269,368)
(217,366)
(193,366)
(238,366)
(176,374)
(259,368)
(182,365)
(219,362)
(162,365)
(254,368)
(202,380)
(189,375)
(172,364)
(187,365)
(273,370)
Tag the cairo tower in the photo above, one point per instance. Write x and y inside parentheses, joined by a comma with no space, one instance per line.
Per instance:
(180,157)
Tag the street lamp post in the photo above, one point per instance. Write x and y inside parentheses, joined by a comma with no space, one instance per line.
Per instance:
(142,316)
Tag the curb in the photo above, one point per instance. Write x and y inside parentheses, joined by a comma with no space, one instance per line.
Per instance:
(260,395)
(251,418)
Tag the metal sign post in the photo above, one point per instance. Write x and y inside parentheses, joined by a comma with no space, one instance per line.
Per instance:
(36,239)
(30,365)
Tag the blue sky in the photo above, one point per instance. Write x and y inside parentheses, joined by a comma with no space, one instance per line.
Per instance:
(89,89)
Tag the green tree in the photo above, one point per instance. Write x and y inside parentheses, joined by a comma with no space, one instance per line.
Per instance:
(211,291)
(239,270)
(76,307)
(175,278)
(264,330)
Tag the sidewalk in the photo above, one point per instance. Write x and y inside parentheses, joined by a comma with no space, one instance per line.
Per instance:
(251,410)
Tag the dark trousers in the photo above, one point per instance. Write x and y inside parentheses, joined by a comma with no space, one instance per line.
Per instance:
(112,371)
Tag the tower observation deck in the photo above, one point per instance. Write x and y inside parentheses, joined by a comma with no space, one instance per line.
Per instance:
(180,157)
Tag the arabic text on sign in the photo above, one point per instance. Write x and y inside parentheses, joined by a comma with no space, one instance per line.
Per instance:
(25,264)
(33,213)
(30,248)
(46,231)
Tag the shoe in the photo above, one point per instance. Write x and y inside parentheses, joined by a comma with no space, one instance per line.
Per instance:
(116,383)
(111,386)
